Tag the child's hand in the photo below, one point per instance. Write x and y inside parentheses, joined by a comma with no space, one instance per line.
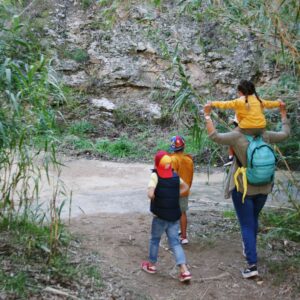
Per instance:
(207,108)
(282,109)
(281,103)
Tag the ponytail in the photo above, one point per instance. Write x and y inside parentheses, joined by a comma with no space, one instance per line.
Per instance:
(256,95)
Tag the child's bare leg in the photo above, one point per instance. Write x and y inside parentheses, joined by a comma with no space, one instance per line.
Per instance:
(183,268)
(183,225)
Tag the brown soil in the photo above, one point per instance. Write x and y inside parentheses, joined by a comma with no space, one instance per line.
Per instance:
(214,257)
(116,226)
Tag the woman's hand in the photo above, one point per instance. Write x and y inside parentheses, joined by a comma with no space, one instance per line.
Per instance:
(209,124)
(281,103)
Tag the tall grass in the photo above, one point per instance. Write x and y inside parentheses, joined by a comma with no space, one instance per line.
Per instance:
(28,91)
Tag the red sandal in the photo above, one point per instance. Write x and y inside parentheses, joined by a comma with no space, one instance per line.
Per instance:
(145,265)
(185,276)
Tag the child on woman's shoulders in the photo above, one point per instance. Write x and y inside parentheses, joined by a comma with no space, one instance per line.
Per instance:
(249,108)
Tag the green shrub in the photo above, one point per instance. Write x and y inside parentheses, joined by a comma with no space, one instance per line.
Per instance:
(282,224)
(85,4)
(81,127)
(102,146)
(120,148)
(84,145)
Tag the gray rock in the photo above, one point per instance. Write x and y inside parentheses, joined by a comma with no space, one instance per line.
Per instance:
(77,80)
(103,103)
(67,65)
(155,110)
(134,56)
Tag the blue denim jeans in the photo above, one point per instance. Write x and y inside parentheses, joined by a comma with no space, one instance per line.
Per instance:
(160,226)
(247,214)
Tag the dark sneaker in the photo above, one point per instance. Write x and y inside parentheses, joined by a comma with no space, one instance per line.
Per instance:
(250,272)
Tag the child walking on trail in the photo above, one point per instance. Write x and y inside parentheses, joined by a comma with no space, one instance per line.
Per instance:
(164,189)
(249,108)
(183,165)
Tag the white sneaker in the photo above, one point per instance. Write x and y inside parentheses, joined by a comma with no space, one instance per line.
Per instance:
(184,241)
(228,164)
(250,272)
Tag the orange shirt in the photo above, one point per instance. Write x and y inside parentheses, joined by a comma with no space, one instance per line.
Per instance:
(183,165)
(251,116)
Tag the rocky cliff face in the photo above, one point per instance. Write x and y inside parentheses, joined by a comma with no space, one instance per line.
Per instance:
(128,63)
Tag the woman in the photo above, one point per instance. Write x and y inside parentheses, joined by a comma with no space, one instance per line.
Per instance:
(248,210)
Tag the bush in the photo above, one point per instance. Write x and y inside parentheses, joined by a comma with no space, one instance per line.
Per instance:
(81,128)
(119,148)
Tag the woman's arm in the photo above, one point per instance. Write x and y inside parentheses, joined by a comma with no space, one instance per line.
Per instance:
(228,138)
(276,137)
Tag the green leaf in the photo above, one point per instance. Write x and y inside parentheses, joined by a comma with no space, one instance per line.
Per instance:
(8,75)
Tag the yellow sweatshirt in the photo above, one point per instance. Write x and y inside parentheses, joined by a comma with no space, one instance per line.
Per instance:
(248,116)
(183,165)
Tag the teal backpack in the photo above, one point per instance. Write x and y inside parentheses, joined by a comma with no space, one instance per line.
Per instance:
(261,161)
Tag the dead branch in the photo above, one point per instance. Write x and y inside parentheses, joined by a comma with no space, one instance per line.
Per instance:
(58,292)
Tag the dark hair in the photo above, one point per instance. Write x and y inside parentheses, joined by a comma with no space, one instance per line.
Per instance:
(247,88)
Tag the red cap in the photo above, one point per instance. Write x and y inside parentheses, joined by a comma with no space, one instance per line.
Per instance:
(163,164)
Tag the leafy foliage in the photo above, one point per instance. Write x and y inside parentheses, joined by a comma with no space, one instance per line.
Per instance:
(28,91)
(282,225)
(25,265)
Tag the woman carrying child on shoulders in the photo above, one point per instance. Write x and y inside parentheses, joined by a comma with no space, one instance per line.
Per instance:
(249,204)
(249,108)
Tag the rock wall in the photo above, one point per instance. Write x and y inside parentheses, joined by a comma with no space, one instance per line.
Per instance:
(130,62)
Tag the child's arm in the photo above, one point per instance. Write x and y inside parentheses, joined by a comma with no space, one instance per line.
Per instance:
(183,187)
(232,104)
(272,104)
(150,193)
(151,186)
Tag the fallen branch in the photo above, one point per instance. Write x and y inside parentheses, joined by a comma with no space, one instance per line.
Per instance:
(58,292)
(212,278)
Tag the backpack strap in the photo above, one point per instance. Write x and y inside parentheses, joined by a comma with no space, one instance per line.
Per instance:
(241,170)
(249,139)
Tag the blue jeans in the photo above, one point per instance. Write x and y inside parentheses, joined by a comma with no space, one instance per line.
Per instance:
(160,226)
(247,214)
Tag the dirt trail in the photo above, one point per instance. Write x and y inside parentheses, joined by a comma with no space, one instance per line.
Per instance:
(110,214)
(111,187)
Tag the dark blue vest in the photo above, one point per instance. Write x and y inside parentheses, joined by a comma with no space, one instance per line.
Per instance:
(166,202)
